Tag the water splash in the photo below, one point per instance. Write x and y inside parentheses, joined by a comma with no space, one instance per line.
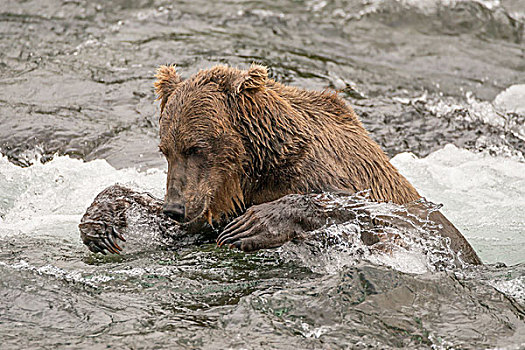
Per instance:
(483,196)
(41,197)
(406,242)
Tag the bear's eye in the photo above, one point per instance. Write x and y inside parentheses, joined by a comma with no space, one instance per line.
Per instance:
(194,150)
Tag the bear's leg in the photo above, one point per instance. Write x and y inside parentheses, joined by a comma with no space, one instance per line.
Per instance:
(272,224)
(105,218)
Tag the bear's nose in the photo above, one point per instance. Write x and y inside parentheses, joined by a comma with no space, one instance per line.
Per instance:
(174,211)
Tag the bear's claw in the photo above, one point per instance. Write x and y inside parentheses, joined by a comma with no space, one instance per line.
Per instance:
(239,228)
(100,237)
(238,236)
(256,229)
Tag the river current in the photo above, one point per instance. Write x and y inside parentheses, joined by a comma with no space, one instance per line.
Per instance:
(440,85)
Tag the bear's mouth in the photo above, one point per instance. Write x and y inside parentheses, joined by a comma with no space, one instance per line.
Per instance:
(205,214)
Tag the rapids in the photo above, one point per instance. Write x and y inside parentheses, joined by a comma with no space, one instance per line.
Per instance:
(438,83)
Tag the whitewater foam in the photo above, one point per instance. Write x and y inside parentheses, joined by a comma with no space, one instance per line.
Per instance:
(52,197)
(483,196)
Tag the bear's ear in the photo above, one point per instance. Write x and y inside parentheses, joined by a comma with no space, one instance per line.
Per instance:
(167,82)
(254,78)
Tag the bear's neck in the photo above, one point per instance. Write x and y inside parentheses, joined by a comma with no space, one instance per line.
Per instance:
(302,141)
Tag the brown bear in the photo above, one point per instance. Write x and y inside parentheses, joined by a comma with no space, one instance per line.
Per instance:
(235,139)
(239,144)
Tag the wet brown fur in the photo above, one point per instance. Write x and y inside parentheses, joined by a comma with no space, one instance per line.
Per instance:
(235,138)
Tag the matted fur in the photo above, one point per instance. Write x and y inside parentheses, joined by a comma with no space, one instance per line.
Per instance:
(235,138)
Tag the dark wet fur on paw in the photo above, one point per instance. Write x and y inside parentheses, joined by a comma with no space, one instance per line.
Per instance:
(105,222)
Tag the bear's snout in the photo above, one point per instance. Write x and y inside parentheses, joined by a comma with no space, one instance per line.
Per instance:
(174,211)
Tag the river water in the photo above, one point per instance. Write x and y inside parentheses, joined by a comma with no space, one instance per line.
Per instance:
(438,83)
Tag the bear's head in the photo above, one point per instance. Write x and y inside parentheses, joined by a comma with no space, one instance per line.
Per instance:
(203,141)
